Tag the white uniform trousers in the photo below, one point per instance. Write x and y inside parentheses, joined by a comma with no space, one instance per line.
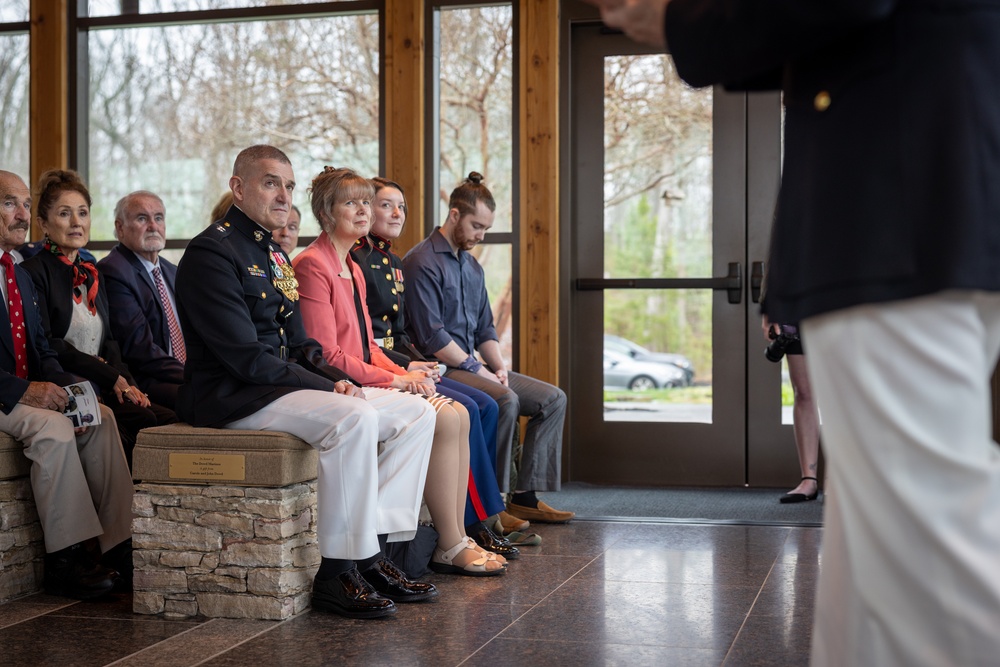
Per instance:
(81,484)
(910,562)
(361,493)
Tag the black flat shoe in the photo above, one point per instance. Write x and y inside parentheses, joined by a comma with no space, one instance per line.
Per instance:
(490,541)
(348,594)
(801,497)
(390,582)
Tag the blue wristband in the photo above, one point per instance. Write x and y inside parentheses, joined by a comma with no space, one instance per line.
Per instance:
(471,364)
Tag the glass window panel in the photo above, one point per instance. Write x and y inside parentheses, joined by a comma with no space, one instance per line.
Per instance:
(476,104)
(15,137)
(658,171)
(14,11)
(657,224)
(114,7)
(171,106)
(658,355)
(496,261)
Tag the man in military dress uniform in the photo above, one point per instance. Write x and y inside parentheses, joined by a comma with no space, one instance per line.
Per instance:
(250,366)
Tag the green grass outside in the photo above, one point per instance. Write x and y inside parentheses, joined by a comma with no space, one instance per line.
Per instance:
(689,395)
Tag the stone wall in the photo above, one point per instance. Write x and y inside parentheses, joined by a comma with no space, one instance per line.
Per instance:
(224,551)
(22,548)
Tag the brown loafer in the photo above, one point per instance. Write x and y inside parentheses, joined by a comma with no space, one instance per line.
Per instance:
(511,523)
(543,514)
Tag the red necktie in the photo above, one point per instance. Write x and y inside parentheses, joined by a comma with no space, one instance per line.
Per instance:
(14,308)
(176,338)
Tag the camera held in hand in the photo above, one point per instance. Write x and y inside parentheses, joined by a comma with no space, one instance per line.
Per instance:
(786,337)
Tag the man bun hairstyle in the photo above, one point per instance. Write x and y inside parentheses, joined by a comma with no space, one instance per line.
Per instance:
(469,193)
(53,183)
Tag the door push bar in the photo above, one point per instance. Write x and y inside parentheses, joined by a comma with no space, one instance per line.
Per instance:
(732,283)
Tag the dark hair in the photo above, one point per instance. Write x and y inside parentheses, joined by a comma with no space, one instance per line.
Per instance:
(53,183)
(252,154)
(336,184)
(378,182)
(470,192)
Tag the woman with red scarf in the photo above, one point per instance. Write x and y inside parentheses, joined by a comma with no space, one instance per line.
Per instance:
(74,305)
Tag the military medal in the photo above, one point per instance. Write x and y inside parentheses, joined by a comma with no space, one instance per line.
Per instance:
(399,279)
(284,276)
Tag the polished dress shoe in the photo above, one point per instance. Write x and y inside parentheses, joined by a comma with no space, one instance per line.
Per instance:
(348,594)
(390,582)
(119,559)
(73,573)
(542,514)
(490,541)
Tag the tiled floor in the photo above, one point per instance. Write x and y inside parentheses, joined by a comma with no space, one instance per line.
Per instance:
(595,593)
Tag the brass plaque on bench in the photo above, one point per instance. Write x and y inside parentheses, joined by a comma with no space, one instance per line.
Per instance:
(218,467)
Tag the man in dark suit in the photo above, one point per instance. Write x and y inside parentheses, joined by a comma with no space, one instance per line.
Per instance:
(886,247)
(252,367)
(79,478)
(143,309)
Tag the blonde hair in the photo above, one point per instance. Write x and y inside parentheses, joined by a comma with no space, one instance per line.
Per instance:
(333,185)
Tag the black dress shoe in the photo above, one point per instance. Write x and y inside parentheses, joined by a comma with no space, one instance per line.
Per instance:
(73,573)
(390,582)
(490,541)
(119,559)
(348,594)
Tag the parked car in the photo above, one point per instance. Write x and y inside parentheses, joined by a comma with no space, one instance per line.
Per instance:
(639,353)
(621,371)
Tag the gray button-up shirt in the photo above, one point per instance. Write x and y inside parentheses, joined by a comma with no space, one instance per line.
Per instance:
(446,297)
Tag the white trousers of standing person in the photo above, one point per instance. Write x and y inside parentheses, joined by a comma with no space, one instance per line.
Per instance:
(361,493)
(910,561)
(81,483)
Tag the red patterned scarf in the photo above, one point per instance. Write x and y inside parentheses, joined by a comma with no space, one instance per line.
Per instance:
(83,273)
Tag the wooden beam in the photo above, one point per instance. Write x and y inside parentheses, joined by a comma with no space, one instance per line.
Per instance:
(49,103)
(404,109)
(538,60)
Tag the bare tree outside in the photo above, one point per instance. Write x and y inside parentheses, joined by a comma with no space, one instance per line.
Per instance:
(476,133)
(171,106)
(658,206)
(114,7)
(15,138)
(14,11)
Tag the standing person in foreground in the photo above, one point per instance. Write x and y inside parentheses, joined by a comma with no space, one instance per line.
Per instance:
(250,366)
(886,247)
(450,319)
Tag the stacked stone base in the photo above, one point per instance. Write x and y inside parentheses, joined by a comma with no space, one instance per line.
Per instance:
(22,548)
(224,551)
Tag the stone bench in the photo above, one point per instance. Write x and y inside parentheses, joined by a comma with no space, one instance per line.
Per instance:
(22,548)
(224,523)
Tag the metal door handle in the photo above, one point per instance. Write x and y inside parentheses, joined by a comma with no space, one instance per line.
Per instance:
(756,280)
(732,283)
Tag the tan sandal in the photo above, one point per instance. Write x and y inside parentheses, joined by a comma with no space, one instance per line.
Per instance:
(442,562)
(492,555)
